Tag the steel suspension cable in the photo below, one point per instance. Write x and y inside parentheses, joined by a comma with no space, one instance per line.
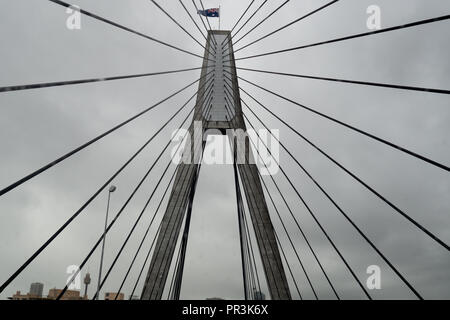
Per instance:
(146,232)
(145,206)
(145,235)
(279,215)
(313,216)
(207,20)
(204,25)
(340,209)
(360,131)
(252,252)
(158,249)
(185,236)
(253,274)
(146,259)
(249,263)
(414,222)
(226,84)
(244,234)
(290,241)
(262,21)
(359,35)
(176,291)
(172,282)
(90,142)
(81,209)
(136,222)
(289,24)
(151,222)
(366,83)
(258,232)
(250,18)
(245,23)
(125,205)
(148,253)
(296,221)
(241,226)
(287,264)
(82,81)
(192,19)
(92,15)
(179,25)
(196,10)
(243,14)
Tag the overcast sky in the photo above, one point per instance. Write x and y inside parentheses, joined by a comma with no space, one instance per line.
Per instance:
(37,126)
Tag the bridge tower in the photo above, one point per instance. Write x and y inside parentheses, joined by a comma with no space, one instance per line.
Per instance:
(218,108)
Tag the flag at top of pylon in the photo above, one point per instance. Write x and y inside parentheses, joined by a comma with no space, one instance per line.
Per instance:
(214,12)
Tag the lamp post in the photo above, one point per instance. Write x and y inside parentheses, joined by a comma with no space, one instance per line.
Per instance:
(111,190)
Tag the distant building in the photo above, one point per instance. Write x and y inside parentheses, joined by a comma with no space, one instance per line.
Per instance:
(113,295)
(68,295)
(19,296)
(35,293)
(134,298)
(214,298)
(36,289)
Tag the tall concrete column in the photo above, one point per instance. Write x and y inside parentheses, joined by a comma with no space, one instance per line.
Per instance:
(223,112)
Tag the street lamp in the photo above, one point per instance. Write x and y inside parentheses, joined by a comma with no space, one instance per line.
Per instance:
(111,190)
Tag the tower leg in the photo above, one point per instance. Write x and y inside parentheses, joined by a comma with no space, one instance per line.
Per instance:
(168,235)
(265,236)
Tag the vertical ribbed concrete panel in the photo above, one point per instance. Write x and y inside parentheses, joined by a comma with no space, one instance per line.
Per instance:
(221,110)
(218,110)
